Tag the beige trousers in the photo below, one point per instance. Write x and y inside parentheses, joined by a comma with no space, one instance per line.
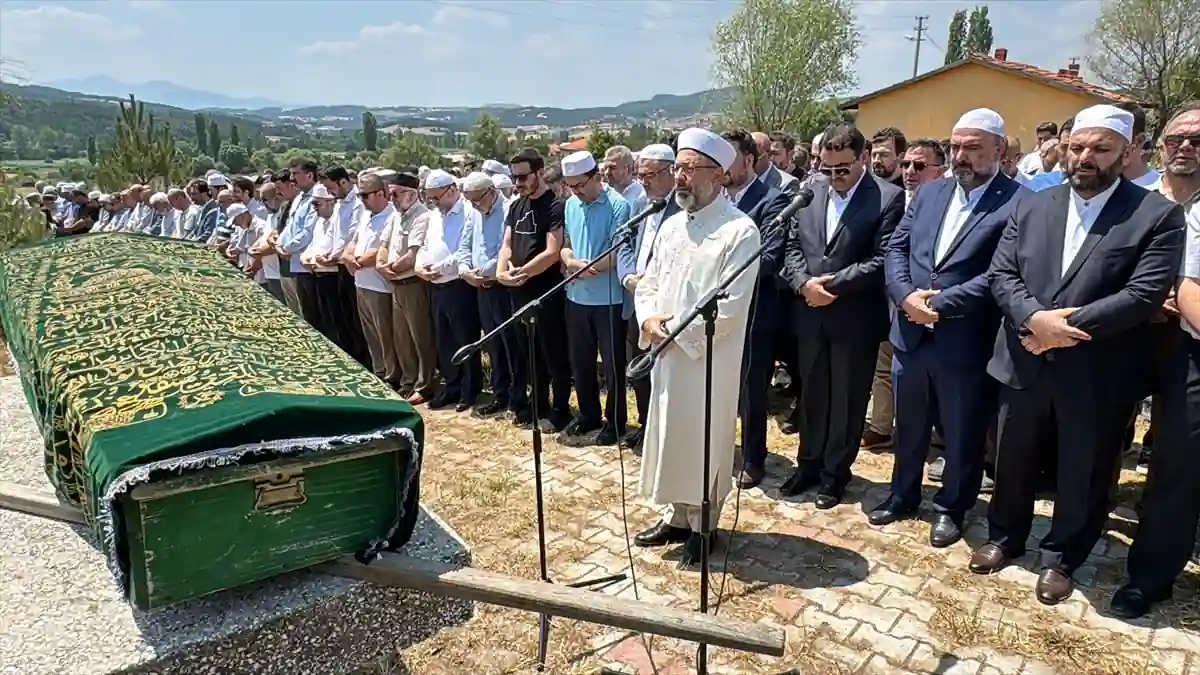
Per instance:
(375,312)
(412,332)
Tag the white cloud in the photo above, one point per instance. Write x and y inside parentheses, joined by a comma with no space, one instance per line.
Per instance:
(368,36)
(33,38)
(328,48)
(450,15)
(160,7)
(31,26)
(391,30)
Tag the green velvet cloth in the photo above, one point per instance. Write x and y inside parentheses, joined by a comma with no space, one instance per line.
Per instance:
(136,349)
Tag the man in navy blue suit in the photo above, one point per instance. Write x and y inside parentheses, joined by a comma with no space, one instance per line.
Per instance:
(654,172)
(752,197)
(943,332)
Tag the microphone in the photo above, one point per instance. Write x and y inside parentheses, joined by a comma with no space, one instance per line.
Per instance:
(466,352)
(631,225)
(801,200)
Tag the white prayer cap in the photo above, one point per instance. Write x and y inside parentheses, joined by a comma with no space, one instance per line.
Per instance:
(817,142)
(578,163)
(105,198)
(437,179)
(82,187)
(95,195)
(235,210)
(49,191)
(496,167)
(708,144)
(423,172)
(319,191)
(981,119)
(660,152)
(501,181)
(1105,116)
(385,175)
(217,180)
(476,181)
(158,197)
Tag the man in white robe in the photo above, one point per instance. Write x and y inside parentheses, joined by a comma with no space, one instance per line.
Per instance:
(695,249)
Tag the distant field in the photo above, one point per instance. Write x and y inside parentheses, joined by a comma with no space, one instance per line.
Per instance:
(36,167)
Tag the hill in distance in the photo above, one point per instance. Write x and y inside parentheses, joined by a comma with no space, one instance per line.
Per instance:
(157,91)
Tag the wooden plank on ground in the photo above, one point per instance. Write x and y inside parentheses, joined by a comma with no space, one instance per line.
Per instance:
(467,583)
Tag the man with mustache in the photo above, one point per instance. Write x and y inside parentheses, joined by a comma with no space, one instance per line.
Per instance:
(1078,274)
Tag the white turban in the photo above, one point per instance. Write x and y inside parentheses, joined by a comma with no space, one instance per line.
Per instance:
(578,163)
(982,119)
(708,144)
(1105,116)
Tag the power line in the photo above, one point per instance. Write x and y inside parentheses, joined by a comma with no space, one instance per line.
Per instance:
(918,39)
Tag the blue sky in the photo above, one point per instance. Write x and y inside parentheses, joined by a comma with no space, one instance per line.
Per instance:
(566,53)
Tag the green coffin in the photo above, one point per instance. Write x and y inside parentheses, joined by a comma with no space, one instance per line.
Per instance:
(210,436)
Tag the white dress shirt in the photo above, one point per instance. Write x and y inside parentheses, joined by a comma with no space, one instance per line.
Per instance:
(1189,267)
(1081,215)
(959,211)
(836,206)
(635,194)
(320,245)
(369,237)
(648,236)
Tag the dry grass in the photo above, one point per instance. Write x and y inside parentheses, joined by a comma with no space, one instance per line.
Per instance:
(6,361)
(1040,635)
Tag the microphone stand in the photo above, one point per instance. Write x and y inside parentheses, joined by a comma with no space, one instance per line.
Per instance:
(527,315)
(706,308)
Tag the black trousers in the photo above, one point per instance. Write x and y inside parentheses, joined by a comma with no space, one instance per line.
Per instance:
(959,399)
(1166,534)
(835,390)
(350,329)
(455,324)
(553,363)
(310,307)
(598,328)
(510,380)
(1089,419)
(758,365)
(336,317)
(641,387)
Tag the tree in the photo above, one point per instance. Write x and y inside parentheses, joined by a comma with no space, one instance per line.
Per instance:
(264,160)
(781,55)
(19,223)
(599,141)
(956,39)
(214,139)
(488,139)
(1148,50)
(370,130)
(201,164)
(91,150)
(410,150)
(142,152)
(201,134)
(234,137)
(235,157)
(979,32)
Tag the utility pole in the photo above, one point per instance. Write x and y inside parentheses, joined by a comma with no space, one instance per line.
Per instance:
(921,28)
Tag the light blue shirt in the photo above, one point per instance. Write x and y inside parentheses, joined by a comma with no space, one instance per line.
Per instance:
(1045,181)
(589,231)
(480,245)
(448,227)
(298,232)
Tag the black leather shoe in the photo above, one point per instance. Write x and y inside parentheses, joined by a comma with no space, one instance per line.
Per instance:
(693,550)
(491,408)
(1054,586)
(828,498)
(750,477)
(661,535)
(438,402)
(559,422)
(1130,602)
(890,511)
(523,417)
(797,483)
(634,438)
(581,428)
(607,436)
(945,531)
(464,406)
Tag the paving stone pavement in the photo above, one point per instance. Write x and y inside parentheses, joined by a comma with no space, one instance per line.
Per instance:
(855,600)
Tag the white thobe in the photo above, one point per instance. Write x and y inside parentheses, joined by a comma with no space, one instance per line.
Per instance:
(692,253)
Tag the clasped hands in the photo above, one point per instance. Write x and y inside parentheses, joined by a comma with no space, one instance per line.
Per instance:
(1048,329)
(655,328)
(814,292)
(917,308)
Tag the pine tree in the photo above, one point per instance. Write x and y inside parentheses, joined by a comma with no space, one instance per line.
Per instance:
(979,32)
(201,134)
(143,152)
(214,139)
(370,131)
(91,150)
(234,138)
(956,39)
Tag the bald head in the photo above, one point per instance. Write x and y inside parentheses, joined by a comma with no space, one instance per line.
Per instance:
(369,182)
(763,143)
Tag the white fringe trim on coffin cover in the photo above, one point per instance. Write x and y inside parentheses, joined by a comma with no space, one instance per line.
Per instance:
(211,459)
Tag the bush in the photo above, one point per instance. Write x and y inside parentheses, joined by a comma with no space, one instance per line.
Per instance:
(20,223)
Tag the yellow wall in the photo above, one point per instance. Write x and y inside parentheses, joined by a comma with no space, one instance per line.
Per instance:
(929,108)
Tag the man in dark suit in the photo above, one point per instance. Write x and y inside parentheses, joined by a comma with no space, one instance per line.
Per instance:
(1079,273)
(654,172)
(834,264)
(937,274)
(763,204)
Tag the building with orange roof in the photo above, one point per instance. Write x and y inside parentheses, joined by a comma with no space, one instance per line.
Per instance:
(928,105)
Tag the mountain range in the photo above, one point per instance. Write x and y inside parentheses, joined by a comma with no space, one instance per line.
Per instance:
(157,91)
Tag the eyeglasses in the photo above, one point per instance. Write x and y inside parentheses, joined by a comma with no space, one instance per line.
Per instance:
(364,195)
(835,171)
(521,177)
(580,184)
(647,175)
(1176,141)
(690,170)
(917,166)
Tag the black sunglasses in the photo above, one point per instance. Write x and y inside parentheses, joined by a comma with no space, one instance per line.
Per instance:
(916,165)
(521,177)
(835,171)
(1177,140)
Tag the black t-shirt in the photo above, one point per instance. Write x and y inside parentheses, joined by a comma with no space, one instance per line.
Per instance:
(530,221)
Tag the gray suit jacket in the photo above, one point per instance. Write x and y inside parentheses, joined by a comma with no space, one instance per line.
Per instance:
(785,183)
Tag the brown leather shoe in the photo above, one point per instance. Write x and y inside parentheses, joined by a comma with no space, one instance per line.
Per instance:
(988,559)
(751,476)
(1053,586)
(873,440)
(416,399)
